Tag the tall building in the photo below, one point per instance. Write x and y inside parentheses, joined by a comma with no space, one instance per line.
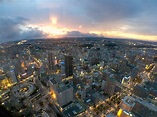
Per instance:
(68,66)
(50,60)
(62,94)
(52,84)
(103,84)
(83,94)
(18,67)
(62,67)
(76,79)
(13,77)
(110,86)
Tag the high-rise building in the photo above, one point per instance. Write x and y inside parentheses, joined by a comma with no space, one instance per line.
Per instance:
(52,84)
(12,75)
(110,86)
(50,60)
(103,84)
(68,66)
(62,67)
(62,94)
(76,79)
(83,94)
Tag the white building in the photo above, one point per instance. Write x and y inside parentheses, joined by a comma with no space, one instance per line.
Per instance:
(62,94)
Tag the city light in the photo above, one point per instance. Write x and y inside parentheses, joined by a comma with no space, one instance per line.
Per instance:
(119,112)
(53,95)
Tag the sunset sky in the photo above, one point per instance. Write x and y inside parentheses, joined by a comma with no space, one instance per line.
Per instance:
(28,19)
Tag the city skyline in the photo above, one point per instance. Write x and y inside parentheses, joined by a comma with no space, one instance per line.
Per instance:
(135,19)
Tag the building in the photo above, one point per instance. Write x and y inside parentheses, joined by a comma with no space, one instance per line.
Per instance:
(62,68)
(96,97)
(126,80)
(76,79)
(52,84)
(144,110)
(140,92)
(63,94)
(127,103)
(50,60)
(68,66)
(83,94)
(12,76)
(138,107)
(110,86)
(103,84)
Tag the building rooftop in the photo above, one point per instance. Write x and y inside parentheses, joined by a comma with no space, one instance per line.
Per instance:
(147,104)
(53,81)
(129,101)
(143,111)
(73,110)
(63,88)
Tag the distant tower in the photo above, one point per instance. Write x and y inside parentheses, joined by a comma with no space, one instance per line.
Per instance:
(50,60)
(68,66)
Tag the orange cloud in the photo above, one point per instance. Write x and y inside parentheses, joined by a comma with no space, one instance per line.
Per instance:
(120,34)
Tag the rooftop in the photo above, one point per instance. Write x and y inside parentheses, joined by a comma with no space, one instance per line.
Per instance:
(73,110)
(63,88)
(53,81)
(129,101)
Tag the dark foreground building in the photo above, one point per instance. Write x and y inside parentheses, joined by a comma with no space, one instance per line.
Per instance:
(68,66)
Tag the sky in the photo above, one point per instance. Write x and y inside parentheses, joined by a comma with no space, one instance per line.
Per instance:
(30,19)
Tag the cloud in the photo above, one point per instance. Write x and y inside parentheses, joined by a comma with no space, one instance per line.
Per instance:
(33,33)
(9,27)
(109,15)
(80,34)
(16,28)
(112,10)
(121,16)
(92,14)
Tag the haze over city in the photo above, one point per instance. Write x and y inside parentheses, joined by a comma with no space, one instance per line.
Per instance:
(27,19)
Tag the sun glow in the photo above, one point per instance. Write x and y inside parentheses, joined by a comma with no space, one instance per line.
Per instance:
(51,30)
(54,20)
(54,31)
(120,34)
